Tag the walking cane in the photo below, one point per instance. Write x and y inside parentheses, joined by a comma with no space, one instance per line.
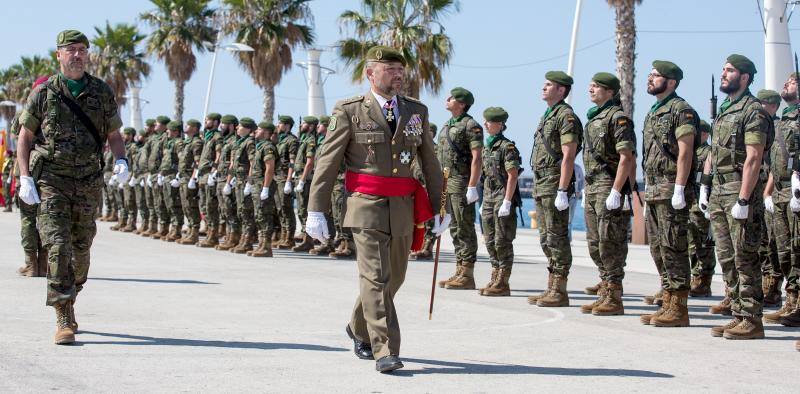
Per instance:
(442,212)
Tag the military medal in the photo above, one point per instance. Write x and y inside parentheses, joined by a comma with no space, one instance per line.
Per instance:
(405,157)
(370,155)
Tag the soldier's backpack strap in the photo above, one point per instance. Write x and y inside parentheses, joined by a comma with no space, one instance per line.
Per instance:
(460,153)
(77,111)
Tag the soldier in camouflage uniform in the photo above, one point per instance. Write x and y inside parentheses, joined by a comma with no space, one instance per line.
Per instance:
(459,149)
(8,175)
(501,164)
(327,247)
(125,193)
(155,152)
(701,241)
(209,206)
(556,143)
(188,160)
(227,202)
(262,170)
(609,157)
(145,180)
(344,235)
(742,132)
(169,181)
(238,179)
(143,202)
(284,170)
(303,173)
(109,189)
(426,253)
(69,178)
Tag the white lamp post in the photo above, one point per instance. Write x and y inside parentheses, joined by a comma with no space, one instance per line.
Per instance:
(234,47)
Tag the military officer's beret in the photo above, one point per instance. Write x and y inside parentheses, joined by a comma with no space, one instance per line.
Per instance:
(229,119)
(606,80)
(742,63)
(248,123)
(559,77)
(193,123)
(704,127)
(380,53)
(310,119)
(668,69)
(162,119)
(129,130)
(150,122)
(175,125)
(266,126)
(214,116)
(286,119)
(495,114)
(768,96)
(324,120)
(68,37)
(462,95)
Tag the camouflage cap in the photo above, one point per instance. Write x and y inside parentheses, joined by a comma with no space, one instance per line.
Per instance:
(193,123)
(668,69)
(266,126)
(229,119)
(150,122)
(129,131)
(310,119)
(286,119)
(247,123)
(324,120)
(606,80)
(559,77)
(704,127)
(768,96)
(164,120)
(742,63)
(68,37)
(175,125)
(495,114)
(462,95)
(214,116)
(384,54)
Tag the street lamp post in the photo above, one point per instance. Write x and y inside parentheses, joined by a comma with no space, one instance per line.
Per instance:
(234,47)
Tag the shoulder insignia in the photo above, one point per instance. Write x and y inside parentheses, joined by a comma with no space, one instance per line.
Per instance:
(332,123)
(352,100)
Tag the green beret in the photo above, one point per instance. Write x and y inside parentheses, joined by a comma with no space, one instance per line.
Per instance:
(432,128)
(668,69)
(68,37)
(310,119)
(495,114)
(324,120)
(141,132)
(214,116)
(768,96)
(462,95)
(162,119)
(129,130)
(383,54)
(559,77)
(248,123)
(229,119)
(286,119)
(743,64)
(175,125)
(193,123)
(150,122)
(705,127)
(606,80)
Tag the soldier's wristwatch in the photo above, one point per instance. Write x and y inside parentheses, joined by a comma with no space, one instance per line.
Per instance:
(743,202)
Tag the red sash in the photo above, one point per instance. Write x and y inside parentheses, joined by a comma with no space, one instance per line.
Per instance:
(386,186)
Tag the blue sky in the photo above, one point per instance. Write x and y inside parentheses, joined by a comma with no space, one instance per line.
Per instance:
(502,50)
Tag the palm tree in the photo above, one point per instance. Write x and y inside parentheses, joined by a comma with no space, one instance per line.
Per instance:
(626,49)
(407,25)
(115,58)
(16,81)
(180,27)
(273,28)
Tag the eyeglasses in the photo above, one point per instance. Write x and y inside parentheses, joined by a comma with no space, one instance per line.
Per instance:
(654,75)
(76,50)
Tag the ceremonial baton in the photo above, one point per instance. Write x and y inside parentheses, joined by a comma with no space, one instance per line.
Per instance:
(442,212)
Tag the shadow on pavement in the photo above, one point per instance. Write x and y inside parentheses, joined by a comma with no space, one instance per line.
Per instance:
(457,368)
(167,281)
(141,340)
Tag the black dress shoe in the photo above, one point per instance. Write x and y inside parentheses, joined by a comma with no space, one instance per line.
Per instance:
(363,350)
(388,364)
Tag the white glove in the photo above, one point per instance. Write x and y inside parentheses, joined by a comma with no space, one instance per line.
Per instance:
(212,178)
(141,183)
(613,200)
(227,189)
(300,186)
(562,200)
(149,181)
(175,182)
(795,184)
(287,188)
(264,193)
(120,186)
(702,202)
(505,209)
(769,205)
(248,189)
(794,204)
(132,182)
(160,180)
(121,170)
(678,200)
(112,181)
(440,224)
(739,212)
(472,195)
(27,191)
(192,183)
(316,225)
(233,182)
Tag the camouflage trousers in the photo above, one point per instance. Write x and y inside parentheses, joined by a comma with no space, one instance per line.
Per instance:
(31,242)
(172,202)
(66,222)
(109,197)
(285,205)
(499,233)
(302,204)
(210,207)
(701,243)
(7,177)
(131,206)
(338,200)
(190,204)
(768,249)
(462,227)
(737,250)
(784,233)
(244,208)
(607,236)
(142,203)
(227,209)
(553,235)
(119,199)
(201,199)
(669,245)
(264,209)
(159,204)
(793,279)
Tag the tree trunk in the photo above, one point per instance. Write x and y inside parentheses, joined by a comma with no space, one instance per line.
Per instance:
(8,113)
(179,85)
(626,52)
(269,103)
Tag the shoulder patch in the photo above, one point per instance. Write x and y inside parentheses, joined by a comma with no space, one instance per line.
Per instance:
(332,123)
(352,100)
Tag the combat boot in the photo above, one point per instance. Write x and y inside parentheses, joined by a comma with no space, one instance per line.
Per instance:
(30,268)
(443,283)
(345,251)
(277,238)
(231,242)
(173,235)
(700,286)
(287,242)
(113,217)
(72,321)
(719,330)
(245,245)
(655,299)
(499,287)
(259,246)
(724,306)
(558,296)
(211,240)
(773,296)
(222,231)
(145,227)
(426,253)
(305,246)
(203,230)
(535,298)
(191,238)
(792,318)
(322,249)
(592,290)
(41,263)
(601,297)
(120,224)
(65,335)
(130,226)
(748,328)
(493,278)
(465,281)
(788,307)
(264,249)
(299,237)
(612,302)
(162,232)
(646,319)
(677,312)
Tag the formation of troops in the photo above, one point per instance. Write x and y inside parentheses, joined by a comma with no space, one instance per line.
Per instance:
(374,182)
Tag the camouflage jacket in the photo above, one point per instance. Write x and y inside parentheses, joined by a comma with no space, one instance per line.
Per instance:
(498,158)
(287,151)
(211,146)
(225,152)
(465,134)
(244,153)
(784,152)
(189,154)
(607,133)
(305,149)
(265,151)
(559,126)
(155,151)
(169,156)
